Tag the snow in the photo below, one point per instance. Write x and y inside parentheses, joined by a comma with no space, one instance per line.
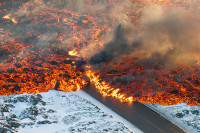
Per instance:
(78,112)
(185,116)
(116,117)
(60,112)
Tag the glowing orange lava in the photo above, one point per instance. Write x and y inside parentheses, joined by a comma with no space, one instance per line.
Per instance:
(47,44)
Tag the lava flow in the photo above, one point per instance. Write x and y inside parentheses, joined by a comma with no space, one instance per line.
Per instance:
(152,57)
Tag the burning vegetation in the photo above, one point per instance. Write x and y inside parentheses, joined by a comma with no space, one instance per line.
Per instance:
(153,55)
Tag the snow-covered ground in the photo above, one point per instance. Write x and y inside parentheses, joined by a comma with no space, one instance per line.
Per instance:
(59,112)
(77,112)
(185,116)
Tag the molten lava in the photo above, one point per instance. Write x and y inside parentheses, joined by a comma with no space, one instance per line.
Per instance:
(48,44)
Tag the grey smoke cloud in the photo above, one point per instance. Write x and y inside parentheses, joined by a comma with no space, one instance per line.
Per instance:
(170,37)
(172,34)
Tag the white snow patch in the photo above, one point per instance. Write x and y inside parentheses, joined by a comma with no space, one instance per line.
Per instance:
(61,112)
(185,116)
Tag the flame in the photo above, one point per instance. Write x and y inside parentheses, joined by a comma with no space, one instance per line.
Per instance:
(6,17)
(12,19)
(73,53)
(106,89)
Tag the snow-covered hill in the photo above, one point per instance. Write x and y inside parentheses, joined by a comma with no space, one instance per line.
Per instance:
(59,112)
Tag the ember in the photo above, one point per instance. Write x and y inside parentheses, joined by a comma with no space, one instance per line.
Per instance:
(65,44)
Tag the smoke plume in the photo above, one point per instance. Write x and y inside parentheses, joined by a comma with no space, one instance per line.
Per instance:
(170,37)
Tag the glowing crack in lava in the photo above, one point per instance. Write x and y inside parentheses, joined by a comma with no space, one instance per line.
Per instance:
(65,44)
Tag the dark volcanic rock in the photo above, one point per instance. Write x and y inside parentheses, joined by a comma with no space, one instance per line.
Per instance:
(22,99)
(16,88)
(67,61)
(54,63)
(45,122)
(196,112)
(5,130)
(14,124)
(179,115)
